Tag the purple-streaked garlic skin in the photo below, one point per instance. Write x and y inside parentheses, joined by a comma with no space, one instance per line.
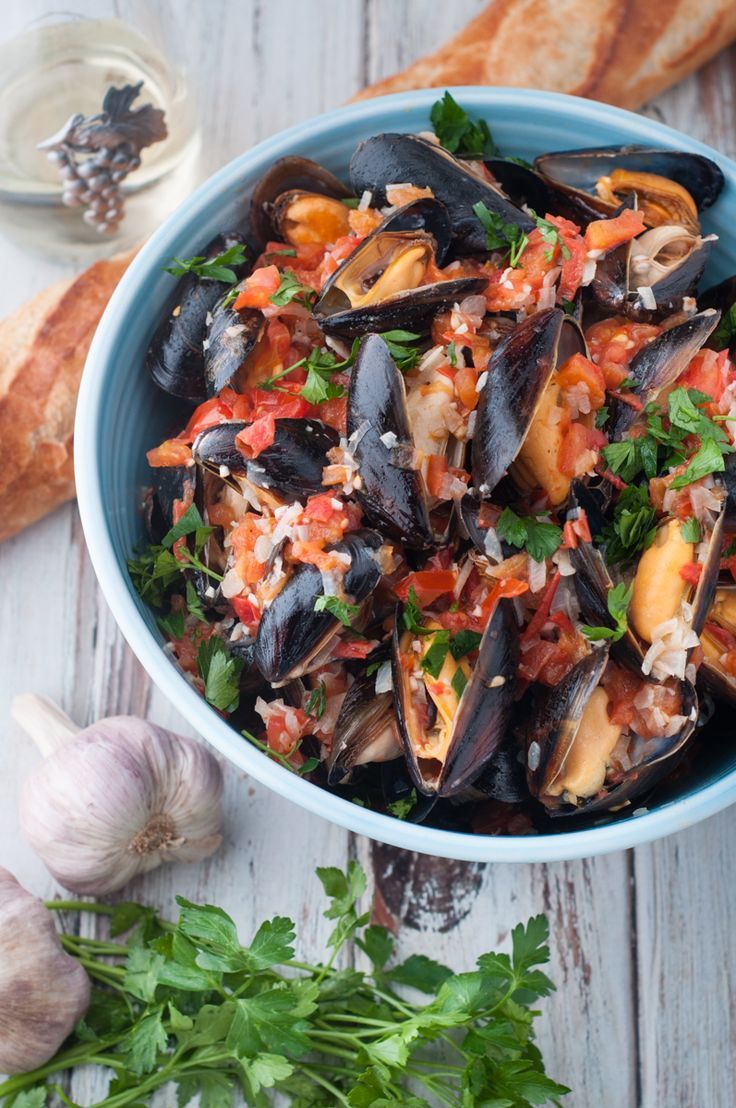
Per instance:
(43,990)
(118,799)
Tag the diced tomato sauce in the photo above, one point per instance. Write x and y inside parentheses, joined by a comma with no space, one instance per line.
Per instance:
(727,641)
(362,223)
(172,452)
(334,412)
(436,469)
(254,438)
(258,288)
(579,448)
(548,659)
(605,234)
(614,342)
(216,410)
(710,372)
(428,584)
(466,379)
(572,258)
(691,572)
(246,612)
(243,539)
(579,370)
(354,648)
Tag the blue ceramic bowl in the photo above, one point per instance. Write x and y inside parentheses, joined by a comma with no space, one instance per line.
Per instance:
(121,414)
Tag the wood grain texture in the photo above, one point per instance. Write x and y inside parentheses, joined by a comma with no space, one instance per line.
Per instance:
(643,947)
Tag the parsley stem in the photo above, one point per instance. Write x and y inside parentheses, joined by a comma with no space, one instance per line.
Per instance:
(80,906)
(316,1077)
(83,1054)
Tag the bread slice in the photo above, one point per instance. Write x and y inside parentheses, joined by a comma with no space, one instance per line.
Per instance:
(620,51)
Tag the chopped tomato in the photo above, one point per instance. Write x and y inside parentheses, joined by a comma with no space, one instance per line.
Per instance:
(548,660)
(726,639)
(354,648)
(256,436)
(428,584)
(621,686)
(436,469)
(220,515)
(259,288)
(216,410)
(570,255)
(172,452)
(541,615)
(246,612)
(243,538)
(578,450)
(321,507)
(614,342)
(504,587)
(579,370)
(364,222)
(466,379)
(581,527)
(691,572)
(334,413)
(605,234)
(710,372)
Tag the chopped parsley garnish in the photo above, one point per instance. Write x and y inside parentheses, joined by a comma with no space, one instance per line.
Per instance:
(568,306)
(319,386)
(500,235)
(194,604)
(285,252)
(459,682)
(351,201)
(338,608)
(220,672)
(690,530)
(211,269)
(458,133)
(290,289)
(452,354)
(405,355)
(283,759)
(539,539)
(317,701)
(434,659)
(372,667)
(403,807)
(618,600)
(464,642)
(725,333)
(633,527)
(551,235)
(601,417)
(662,447)
(173,624)
(412,615)
(157,571)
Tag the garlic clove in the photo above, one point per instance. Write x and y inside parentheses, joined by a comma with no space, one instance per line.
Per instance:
(43,990)
(118,799)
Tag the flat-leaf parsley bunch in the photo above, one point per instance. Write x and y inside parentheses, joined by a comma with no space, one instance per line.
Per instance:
(187,1003)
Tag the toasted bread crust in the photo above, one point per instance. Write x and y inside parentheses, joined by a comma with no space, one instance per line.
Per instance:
(43,347)
(620,51)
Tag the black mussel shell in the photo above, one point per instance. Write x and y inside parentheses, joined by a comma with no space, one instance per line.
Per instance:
(286,174)
(391,494)
(231,336)
(366,730)
(175,357)
(385,159)
(722,297)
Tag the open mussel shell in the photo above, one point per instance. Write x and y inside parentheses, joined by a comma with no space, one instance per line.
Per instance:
(388,158)
(519,371)
(292,174)
(568,742)
(379,286)
(291,634)
(525,187)
(175,357)
(581,170)
(231,336)
(722,297)
(168,485)
(659,364)
(449,741)
(592,583)
(366,730)
(670,261)
(712,674)
(290,467)
(391,492)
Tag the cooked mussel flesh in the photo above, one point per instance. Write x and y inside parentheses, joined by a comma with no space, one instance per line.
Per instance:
(287,180)
(175,358)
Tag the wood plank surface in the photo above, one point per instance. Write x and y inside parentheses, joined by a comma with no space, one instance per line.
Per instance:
(642,942)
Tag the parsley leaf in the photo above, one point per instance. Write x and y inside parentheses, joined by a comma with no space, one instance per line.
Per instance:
(708,459)
(618,600)
(540,539)
(601,417)
(340,609)
(317,701)
(690,530)
(290,289)
(459,681)
(398,343)
(173,624)
(412,616)
(725,333)
(220,672)
(434,658)
(464,642)
(452,354)
(403,807)
(500,235)
(458,133)
(213,269)
(633,526)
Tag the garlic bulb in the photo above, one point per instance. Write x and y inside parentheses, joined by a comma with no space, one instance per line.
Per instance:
(43,990)
(116,799)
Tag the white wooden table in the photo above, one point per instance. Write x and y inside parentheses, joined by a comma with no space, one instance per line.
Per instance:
(642,942)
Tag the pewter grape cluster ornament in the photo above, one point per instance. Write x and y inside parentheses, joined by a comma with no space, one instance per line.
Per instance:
(95,153)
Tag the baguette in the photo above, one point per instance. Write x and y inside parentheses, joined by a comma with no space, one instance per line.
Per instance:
(620,51)
(43,346)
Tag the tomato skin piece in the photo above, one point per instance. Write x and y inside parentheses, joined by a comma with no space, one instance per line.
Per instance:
(256,436)
(710,372)
(246,612)
(614,342)
(466,379)
(216,410)
(354,648)
(171,452)
(605,234)
(334,413)
(320,507)
(574,455)
(259,288)
(691,572)
(580,370)
(428,584)
(572,258)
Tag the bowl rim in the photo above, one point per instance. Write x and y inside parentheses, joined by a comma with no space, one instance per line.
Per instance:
(635,830)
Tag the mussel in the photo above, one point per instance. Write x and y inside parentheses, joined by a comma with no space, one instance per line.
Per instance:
(659,364)
(452,715)
(717,672)
(381,285)
(671,185)
(366,730)
(722,297)
(516,427)
(580,760)
(231,336)
(296,200)
(390,490)
(175,357)
(287,470)
(292,636)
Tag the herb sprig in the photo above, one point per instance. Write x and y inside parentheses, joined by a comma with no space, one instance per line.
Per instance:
(501,235)
(157,571)
(618,600)
(189,1004)
(211,269)
(725,333)
(540,539)
(458,133)
(632,528)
